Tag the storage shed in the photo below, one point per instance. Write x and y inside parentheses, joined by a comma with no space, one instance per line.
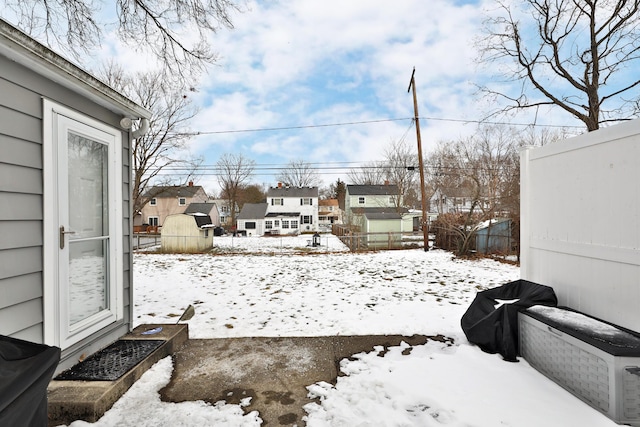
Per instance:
(65,209)
(187,233)
(494,236)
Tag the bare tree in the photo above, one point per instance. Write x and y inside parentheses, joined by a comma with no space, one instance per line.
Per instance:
(578,55)
(299,173)
(479,177)
(370,173)
(478,174)
(160,157)
(401,170)
(175,31)
(234,172)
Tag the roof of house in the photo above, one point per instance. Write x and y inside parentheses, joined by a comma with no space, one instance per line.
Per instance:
(253,211)
(381,213)
(328,202)
(19,47)
(292,192)
(162,191)
(372,190)
(204,208)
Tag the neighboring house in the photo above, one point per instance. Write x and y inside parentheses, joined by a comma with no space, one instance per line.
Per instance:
(224,211)
(207,208)
(65,185)
(251,219)
(373,199)
(169,200)
(289,210)
(329,213)
(452,200)
(190,233)
(372,196)
(374,209)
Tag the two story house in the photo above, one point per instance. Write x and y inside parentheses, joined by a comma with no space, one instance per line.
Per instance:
(379,210)
(224,211)
(289,210)
(329,213)
(169,200)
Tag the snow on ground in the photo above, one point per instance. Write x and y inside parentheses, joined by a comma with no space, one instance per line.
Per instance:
(265,287)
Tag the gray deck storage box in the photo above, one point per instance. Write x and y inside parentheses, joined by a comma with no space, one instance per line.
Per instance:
(596,361)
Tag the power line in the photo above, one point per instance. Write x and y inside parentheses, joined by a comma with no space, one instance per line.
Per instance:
(300,126)
(440,119)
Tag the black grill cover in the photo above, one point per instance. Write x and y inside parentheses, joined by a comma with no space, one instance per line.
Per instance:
(25,371)
(491,321)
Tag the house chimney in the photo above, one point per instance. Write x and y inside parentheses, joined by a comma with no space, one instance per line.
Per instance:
(279,185)
(190,183)
(386,182)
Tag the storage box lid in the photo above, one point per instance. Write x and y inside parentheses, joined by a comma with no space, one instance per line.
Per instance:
(606,336)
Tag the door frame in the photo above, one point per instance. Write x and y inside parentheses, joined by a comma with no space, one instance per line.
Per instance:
(54,329)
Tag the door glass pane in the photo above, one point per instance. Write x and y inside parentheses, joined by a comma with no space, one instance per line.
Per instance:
(88,223)
(88,198)
(87,278)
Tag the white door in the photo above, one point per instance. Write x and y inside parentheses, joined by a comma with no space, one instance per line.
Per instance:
(83,278)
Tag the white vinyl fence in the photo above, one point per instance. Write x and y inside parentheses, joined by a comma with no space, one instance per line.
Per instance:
(580,221)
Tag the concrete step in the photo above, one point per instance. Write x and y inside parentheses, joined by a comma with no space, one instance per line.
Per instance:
(89,400)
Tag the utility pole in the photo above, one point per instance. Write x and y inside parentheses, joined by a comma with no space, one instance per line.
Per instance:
(425,225)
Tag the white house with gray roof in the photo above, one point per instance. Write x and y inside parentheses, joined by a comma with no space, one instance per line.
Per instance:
(289,210)
(251,219)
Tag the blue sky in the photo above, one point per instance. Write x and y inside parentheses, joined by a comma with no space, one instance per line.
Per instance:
(306,63)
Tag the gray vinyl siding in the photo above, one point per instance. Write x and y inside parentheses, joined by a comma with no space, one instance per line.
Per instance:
(21,205)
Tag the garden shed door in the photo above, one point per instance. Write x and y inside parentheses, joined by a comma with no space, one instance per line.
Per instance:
(83,226)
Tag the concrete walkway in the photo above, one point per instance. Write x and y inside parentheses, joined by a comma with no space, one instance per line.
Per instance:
(274,372)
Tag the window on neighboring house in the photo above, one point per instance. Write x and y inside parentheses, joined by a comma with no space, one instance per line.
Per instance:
(307,219)
(268,224)
(285,223)
(182,201)
(153,220)
(306,201)
(391,200)
(294,223)
(276,223)
(361,200)
(250,225)
(277,202)
(153,202)
(322,218)
(225,209)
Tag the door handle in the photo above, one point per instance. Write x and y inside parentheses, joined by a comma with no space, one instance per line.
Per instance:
(62,233)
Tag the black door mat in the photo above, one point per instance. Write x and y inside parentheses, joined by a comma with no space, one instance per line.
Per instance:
(111,362)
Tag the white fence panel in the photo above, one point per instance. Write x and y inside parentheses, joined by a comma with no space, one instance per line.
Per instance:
(580,221)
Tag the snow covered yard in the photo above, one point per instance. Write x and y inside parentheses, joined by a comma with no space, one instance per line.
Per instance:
(264,287)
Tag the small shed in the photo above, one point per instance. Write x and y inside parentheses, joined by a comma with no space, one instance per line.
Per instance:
(494,237)
(384,227)
(187,233)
